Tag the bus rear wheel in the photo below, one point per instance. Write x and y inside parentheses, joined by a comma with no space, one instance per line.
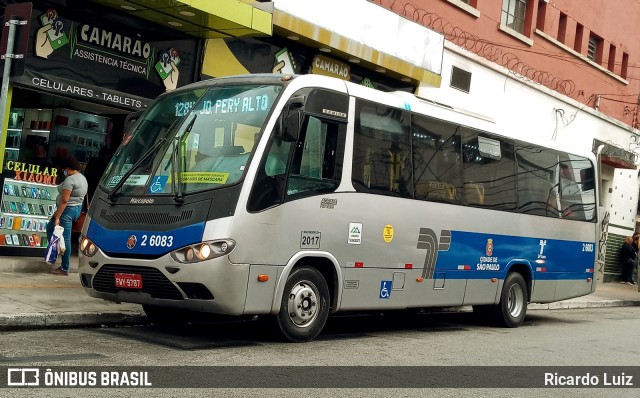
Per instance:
(511,310)
(305,305)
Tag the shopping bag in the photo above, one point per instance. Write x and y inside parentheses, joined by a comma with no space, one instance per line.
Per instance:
(51,253)
(57,231)
(55,246)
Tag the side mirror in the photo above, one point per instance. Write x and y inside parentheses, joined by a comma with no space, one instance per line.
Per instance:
(291,121)
(292,126)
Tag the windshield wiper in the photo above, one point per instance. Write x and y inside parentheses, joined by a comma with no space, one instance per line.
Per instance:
(133,168)
(176,162)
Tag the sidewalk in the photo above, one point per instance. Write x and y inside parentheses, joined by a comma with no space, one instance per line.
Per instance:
(30,297)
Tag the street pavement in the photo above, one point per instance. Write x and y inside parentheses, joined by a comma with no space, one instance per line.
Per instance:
(31,297)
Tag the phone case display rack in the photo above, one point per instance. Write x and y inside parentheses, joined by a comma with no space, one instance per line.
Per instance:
(26,210)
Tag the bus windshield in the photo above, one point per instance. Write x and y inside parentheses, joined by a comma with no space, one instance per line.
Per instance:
(191,140)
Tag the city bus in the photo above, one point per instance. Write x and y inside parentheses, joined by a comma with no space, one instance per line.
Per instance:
(296,197)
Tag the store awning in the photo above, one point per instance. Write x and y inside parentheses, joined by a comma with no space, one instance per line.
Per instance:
(364,33)
(201,18)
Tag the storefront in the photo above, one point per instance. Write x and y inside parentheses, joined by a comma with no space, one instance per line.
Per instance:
(383,51)
(85,70)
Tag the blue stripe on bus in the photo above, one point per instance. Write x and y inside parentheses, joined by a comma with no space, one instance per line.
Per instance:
(146,242)
(555,259)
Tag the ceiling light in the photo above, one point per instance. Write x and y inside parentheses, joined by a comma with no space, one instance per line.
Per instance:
(354,60)
(406,79)
(293,37)
(128,8)
(173,23)
(325,49)
(188,13)
(380,70)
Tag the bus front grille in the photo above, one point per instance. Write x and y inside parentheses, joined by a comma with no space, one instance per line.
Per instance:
(154,282)
(145,218)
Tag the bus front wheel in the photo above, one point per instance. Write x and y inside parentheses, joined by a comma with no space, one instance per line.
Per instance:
(511,310)
(305,305)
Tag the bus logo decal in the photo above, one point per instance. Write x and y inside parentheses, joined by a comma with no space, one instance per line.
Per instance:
(131,242)
(428,240)
(489,250)
(326,203)
(334,113)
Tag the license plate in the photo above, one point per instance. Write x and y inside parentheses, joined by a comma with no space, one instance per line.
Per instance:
(128,281)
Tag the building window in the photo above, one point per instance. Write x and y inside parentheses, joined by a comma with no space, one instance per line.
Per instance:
(577,43)
(595,44)
(513,14)
(562,28)
(460,79)
(542,15)
(625,65)
(612,58)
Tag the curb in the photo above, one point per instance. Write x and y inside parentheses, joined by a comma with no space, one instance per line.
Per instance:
(567,305)
(33,265)
(96,319)
(69,319)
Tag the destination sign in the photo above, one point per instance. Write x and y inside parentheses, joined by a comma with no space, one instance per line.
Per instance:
(239,104)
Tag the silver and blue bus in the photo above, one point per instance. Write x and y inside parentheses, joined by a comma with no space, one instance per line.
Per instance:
(296,197)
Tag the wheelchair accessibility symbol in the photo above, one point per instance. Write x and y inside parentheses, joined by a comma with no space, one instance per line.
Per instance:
(385,289)
(158,184)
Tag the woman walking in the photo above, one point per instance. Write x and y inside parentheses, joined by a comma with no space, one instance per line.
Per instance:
(71,194)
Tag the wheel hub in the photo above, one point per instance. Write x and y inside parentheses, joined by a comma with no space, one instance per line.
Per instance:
(303,304)
(515,300)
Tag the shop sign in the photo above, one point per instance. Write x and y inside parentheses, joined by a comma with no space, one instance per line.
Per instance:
(32,173)
(226,57)
(103,56)
(326,66)
(75,89)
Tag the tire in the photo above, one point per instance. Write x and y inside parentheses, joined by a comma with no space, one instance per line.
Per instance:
(304,308)
(511,310)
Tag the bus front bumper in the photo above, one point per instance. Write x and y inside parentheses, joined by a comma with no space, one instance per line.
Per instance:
(213,286)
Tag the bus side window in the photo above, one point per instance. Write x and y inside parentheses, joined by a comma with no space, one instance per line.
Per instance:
(537,180)
(489,163)
(382,161)
(268,188)
(317,161)
(577,198)
(436,160)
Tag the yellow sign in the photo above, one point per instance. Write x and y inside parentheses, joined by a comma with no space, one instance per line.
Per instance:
(326,66)
(203,177)
(387,234)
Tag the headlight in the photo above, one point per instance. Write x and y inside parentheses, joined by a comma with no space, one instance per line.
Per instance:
(87,247)
(203,251)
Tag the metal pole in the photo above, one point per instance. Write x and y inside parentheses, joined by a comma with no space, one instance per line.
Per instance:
(8,57)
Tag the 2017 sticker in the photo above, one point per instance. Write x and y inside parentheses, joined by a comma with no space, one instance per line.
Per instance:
(310,240)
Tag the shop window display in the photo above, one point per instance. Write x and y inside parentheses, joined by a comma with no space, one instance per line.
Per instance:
(29,179)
